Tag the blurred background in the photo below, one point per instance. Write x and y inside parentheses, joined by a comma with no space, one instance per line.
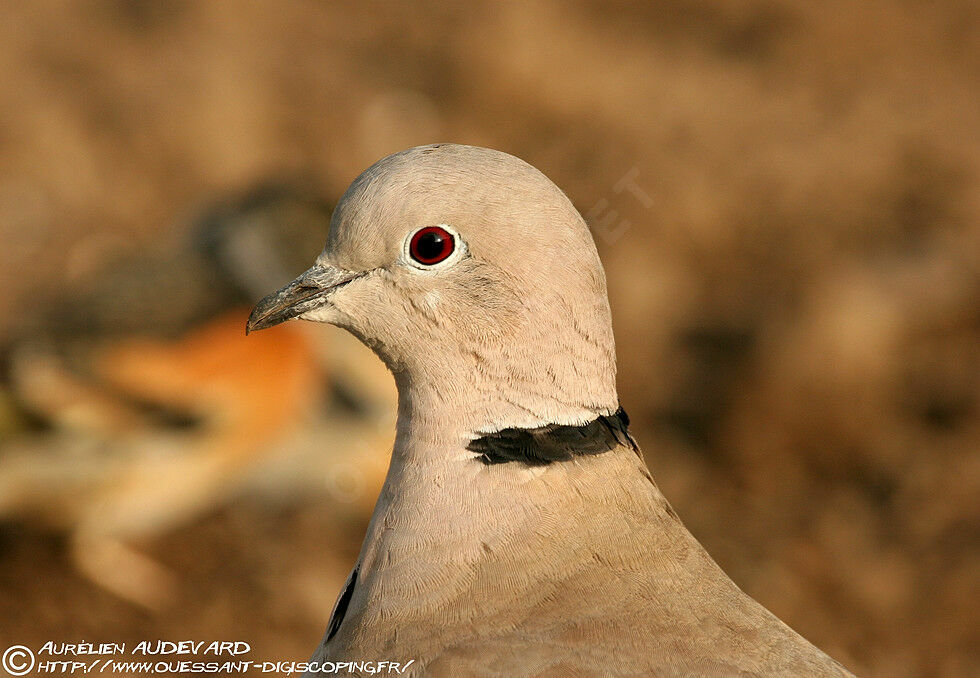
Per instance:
(786,196)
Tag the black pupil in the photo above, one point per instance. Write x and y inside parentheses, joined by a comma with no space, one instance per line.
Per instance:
(430,246)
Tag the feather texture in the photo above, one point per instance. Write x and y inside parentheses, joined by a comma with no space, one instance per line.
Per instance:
(554,442)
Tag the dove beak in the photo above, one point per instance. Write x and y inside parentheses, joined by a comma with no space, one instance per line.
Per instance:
(309,290)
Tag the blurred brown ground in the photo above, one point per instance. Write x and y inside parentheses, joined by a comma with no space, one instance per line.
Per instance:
(786,196)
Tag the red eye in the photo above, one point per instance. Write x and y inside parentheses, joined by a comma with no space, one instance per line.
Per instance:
(431,245)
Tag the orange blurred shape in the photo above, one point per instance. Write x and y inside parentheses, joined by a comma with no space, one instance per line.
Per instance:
(251,388)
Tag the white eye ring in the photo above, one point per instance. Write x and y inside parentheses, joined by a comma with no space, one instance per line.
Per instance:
(418,261)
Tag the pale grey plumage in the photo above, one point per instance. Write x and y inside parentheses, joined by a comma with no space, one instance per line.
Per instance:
(575,567)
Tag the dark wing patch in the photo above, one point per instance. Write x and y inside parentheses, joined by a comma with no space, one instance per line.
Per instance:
(340,609)
(554,442)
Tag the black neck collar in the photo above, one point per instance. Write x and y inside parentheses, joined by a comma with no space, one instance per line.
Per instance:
(554,442)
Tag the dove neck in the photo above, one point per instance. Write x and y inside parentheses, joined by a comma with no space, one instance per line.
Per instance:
(447,525)
(432,413)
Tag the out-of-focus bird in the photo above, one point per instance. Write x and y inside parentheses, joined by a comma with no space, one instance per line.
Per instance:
(159,410)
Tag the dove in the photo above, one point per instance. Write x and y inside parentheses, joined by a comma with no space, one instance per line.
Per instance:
(518,531)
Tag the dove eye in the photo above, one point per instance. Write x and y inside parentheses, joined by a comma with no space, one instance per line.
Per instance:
(431,245)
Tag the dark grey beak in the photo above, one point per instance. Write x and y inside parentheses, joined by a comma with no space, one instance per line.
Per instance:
(305,293)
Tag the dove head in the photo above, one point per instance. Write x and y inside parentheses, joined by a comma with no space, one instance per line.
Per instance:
(473,277)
